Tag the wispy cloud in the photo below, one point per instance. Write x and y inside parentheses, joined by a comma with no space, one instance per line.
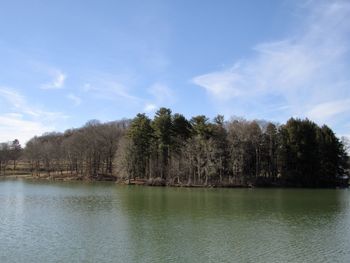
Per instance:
(11,95)
(19,103)
(149,107)
(161,94)
(327,110)
(223,85)
(58,79)
(22,121)
(14,126)
(111,88)
(305,74)
(75,99)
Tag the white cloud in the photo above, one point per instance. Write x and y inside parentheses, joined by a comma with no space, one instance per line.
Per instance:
(75,99)
(327,110)
(11,95)
(23,121)
(221,84)
(149,107)
(306,74)
(13,126)
(162,95)
(57,81)
(122,89)
(110,88)
(19,103)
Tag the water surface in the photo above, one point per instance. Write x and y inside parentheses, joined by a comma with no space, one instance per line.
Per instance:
(103,222)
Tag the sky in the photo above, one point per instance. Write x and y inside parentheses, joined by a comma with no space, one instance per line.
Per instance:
(65,62)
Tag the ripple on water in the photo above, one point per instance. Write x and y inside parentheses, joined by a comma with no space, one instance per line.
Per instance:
(49,222)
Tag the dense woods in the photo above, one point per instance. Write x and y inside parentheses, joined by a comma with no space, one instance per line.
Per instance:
(10,152)
(172,150)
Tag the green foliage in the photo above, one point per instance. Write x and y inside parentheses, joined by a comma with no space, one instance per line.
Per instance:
(309,155)
(141,134)
(181,127)
(172,150)
(200,126)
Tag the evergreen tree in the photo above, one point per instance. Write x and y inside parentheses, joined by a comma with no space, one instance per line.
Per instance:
(140,134)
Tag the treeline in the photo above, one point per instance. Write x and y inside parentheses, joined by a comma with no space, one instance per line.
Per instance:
(238,152)
(10,152)
(85,152)
(172,150)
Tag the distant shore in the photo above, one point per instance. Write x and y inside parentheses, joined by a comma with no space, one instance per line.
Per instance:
(119,181)
(143,182)
(16,176)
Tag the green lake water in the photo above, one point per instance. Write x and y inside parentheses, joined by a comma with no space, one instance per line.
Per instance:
(103,222)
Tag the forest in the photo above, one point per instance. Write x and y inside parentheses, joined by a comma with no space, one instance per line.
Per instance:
(172,150)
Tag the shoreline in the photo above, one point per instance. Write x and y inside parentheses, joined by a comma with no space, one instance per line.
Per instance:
(144,182)
(139,182)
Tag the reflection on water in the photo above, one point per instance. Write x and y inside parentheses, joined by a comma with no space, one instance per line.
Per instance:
(102,222)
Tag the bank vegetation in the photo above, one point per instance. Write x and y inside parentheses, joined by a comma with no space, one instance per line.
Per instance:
(172,150)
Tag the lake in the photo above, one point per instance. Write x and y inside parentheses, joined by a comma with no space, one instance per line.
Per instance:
(104,222)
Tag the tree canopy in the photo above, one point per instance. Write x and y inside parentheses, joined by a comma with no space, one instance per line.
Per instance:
(170,149)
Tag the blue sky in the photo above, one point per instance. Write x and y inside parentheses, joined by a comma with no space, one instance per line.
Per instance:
(63,62)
